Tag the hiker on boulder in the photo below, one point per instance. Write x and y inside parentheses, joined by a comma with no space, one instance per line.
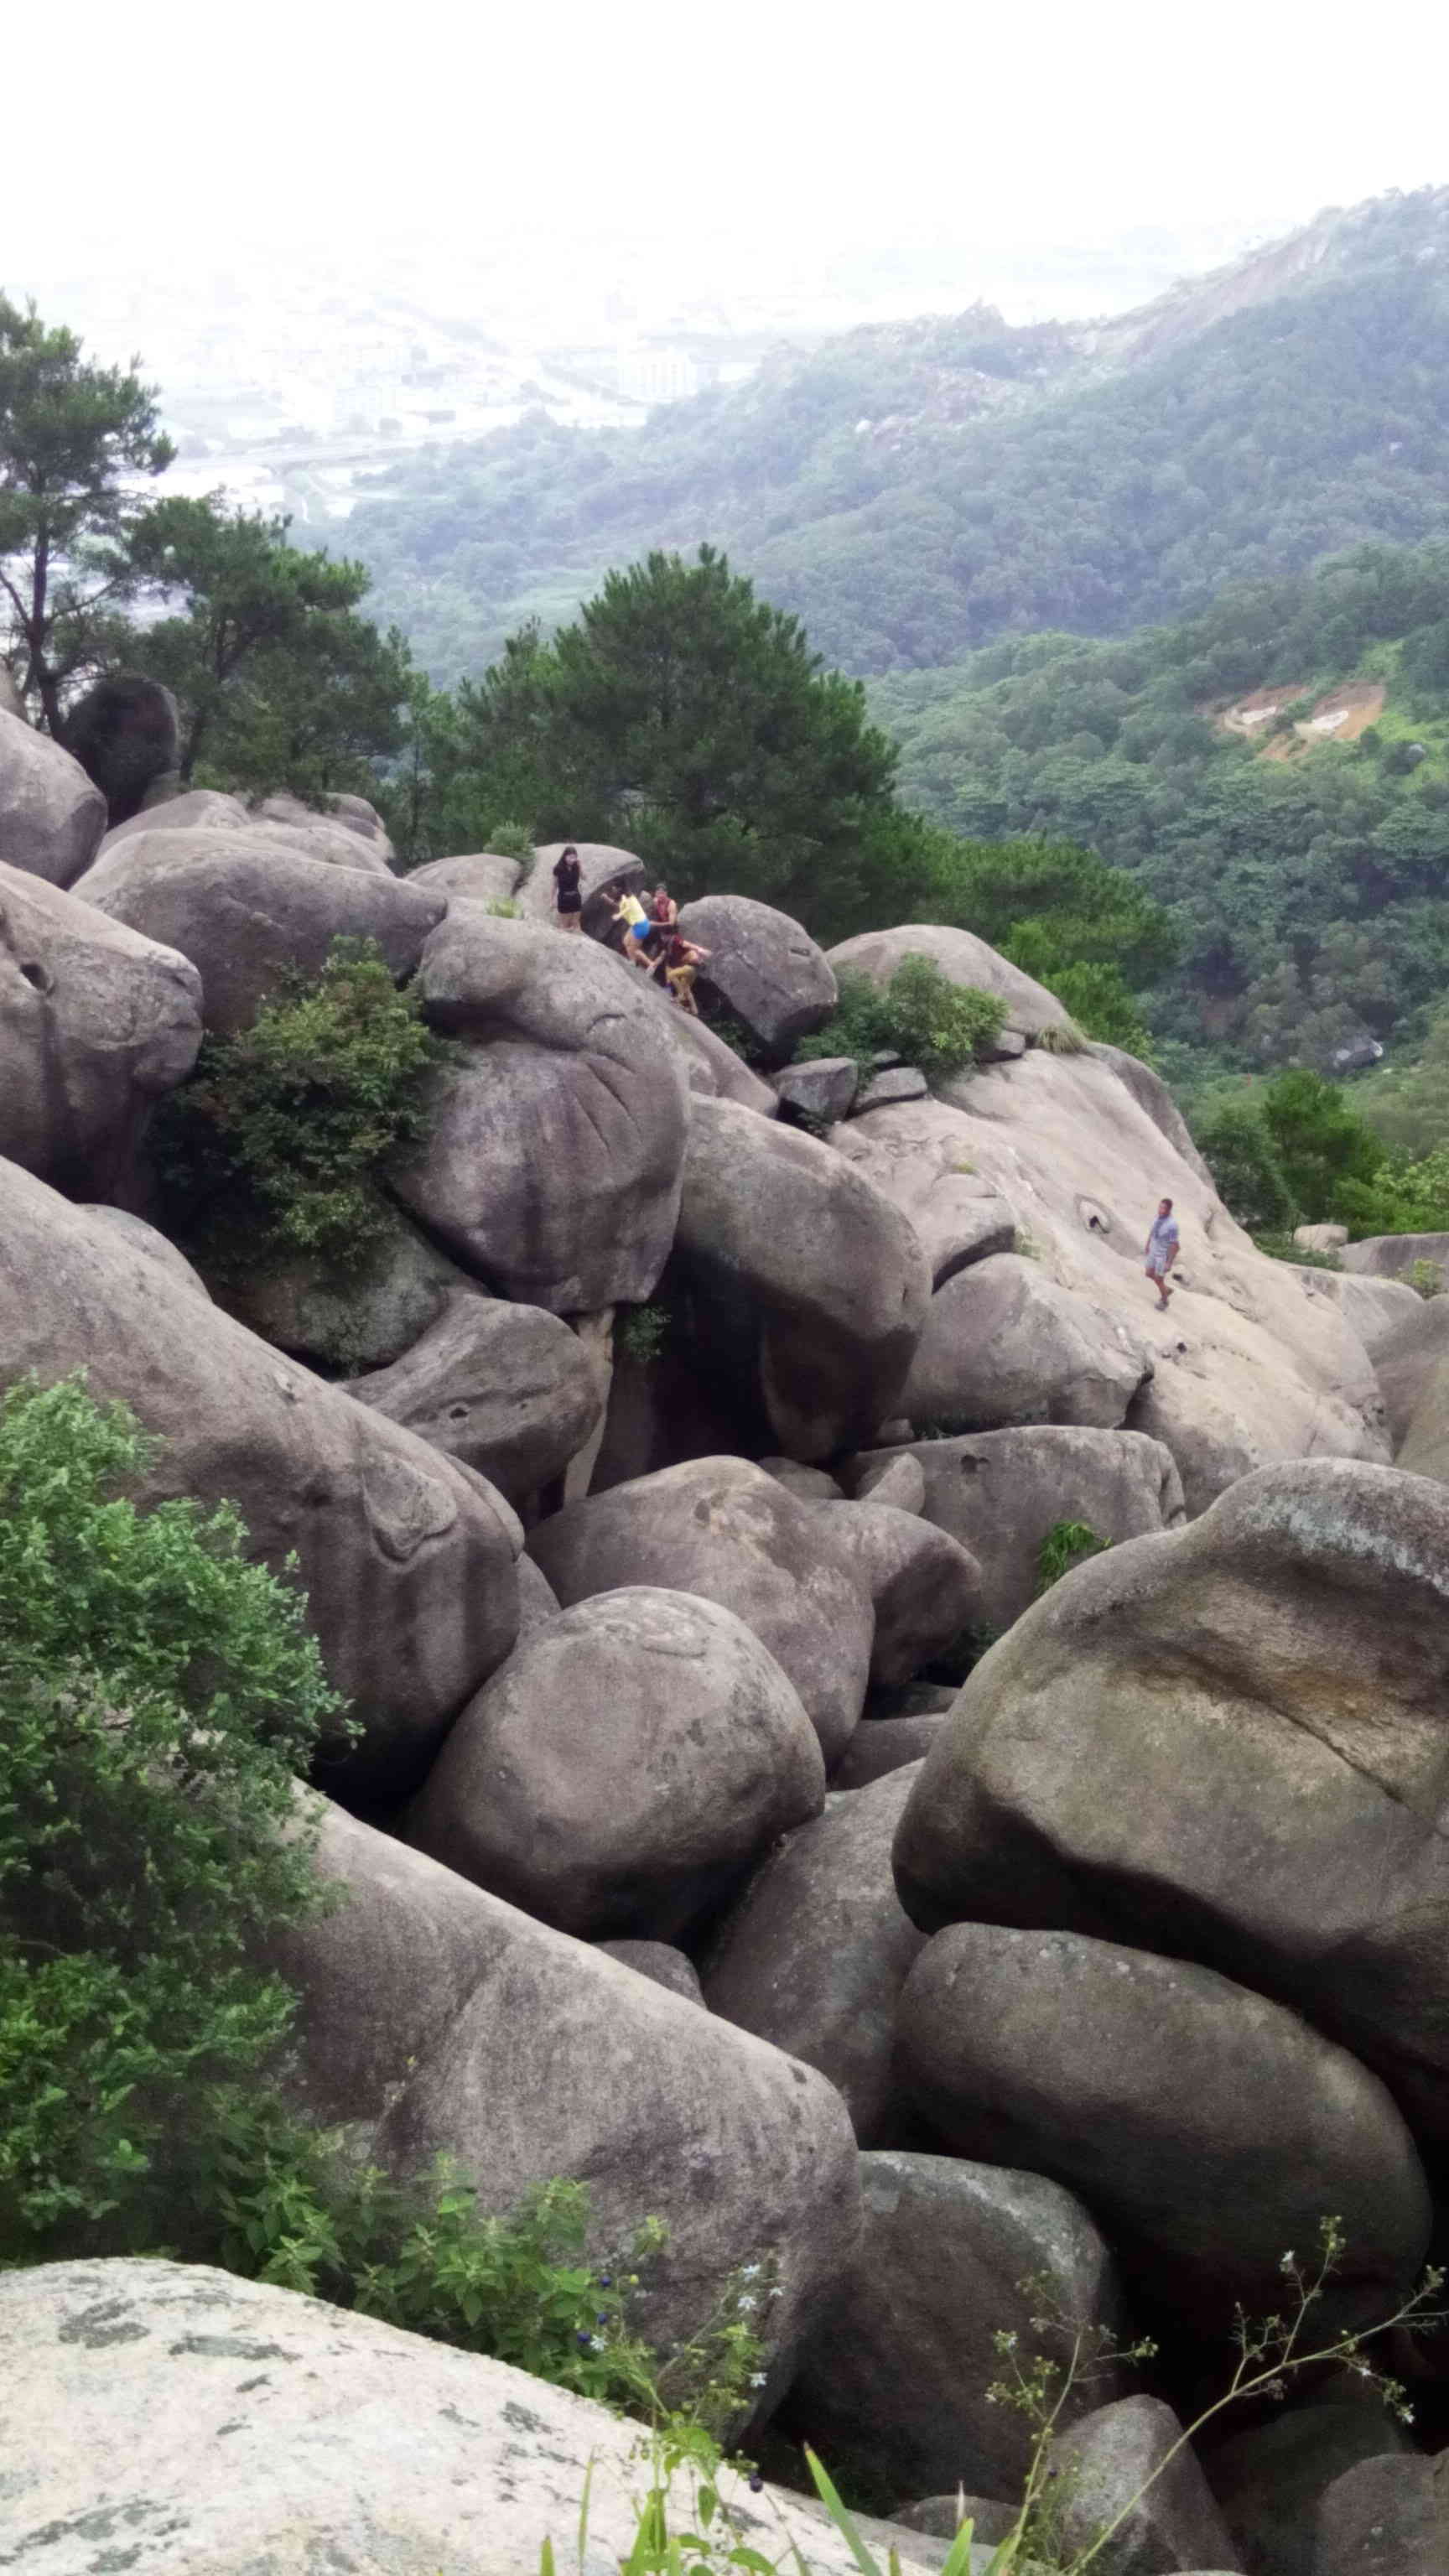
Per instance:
(1163,1244)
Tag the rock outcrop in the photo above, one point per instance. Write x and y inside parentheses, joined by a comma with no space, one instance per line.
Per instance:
(507,1389)
(51,816)
(766,970)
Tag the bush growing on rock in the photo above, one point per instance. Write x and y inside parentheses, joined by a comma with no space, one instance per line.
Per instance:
(919,1015)
(276,1144)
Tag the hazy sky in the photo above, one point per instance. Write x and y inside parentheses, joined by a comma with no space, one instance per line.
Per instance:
(161,130)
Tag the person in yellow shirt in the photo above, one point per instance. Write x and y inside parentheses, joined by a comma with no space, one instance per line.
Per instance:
(636,926)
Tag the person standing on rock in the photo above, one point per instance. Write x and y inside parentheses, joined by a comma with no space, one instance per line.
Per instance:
(634,921)
(568,901)
(1163,1244)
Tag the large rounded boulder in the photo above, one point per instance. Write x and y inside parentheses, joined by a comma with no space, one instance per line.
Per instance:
(508,1389)
(764,968)
(51,815)
(723,1529)
(913,1151)
(96,1023)
(814,1286)
(1003,1344)
(407,1559)
(1231,1736)
(248,909)
(605,872)
(553,1159)
(923,1585)
(618,1774)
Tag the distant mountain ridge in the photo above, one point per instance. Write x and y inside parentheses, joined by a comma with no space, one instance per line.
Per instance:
(915,489)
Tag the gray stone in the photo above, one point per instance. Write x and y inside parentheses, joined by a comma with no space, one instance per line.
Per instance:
(1233,1731)
(1387,2517)
(200,809)
(1321,1238)
(1001,1492)
(406,1559)
(816,1281)
(438,2019)
(721,1528)
(247,910)
(815,1953)
(823,1089)
(11,701)
(1208,2128)
(1124,2460)
(883,1745)
(962,959)
(51,817)
(915,1153)
(604,874)
(1273,2481)
(900,1480)
(508,1389)
(479,876)
(924,1586)
(537,1601)
(764,967)
(1373,1309)
(709,1066)
(361,1318)
(812,1484)
(96,1024)
(360,815)
(168,2418)
(1389,1256)
(1004,1344)
(148,1239)
(125,734)
(1152,1095)
(942,2516)
(618,1774)
(290,824)
(1424,1449)
(888,1089)
(553,1159)
(660,1962)
(900,2366)
(1408,1359)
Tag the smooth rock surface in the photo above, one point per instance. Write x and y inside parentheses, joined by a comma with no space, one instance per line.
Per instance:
(618,1774)
(899,1480)
(1387,2517)
(814,1280)
(1125,2455)
(923,1585)
(915,1154)
(719,1527)
(148,1239)
(962,959)
(51,816)
(508,1389)
(888,1089)
(661,1962)
(479,876)
(604,874)
(764,967)
(823,1088)
(96,1024)
(1389,1256)
(1272,2480)
(361,1318)
(883,1745)
(1004,1344)
(199,809)
(1409,1358)
(248,909)
(814,1955)
(1230,1737)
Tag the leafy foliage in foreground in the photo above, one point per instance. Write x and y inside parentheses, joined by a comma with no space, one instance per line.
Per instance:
(275,1145)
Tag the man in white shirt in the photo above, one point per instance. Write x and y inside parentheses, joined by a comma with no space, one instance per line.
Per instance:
(1163,1243)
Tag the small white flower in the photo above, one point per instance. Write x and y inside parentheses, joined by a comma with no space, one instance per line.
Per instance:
(775,2294)
(749,2271)
(746,2304)
(757,2379)
(1287,2263)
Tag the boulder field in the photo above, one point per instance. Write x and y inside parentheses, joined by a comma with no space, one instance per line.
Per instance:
(739,1820)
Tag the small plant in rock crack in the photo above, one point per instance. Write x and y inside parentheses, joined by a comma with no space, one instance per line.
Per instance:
(1067,1543)
(642,1332)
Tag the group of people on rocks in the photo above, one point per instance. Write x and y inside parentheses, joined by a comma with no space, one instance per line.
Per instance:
(648,931)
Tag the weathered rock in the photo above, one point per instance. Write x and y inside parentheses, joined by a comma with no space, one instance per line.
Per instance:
(812,1484)
(888,1089)
(553,1159)
(362,1318)
(886,1744)
(95,1024)
(962,959)
(360,815)
(175,2418)
(719,1527)
(375,1517)
(816,1951)
(924,1586)
(443,2020)
(604,874)
(200,809)
(1387,2517)
(763,966)
(51,817)
(479,876)
(148,1239)
(246,910)
(1001,1492)
(1321,1238)
(1272,2482)
(822,1089)
(898,2369)
(710,1067)
(618,1774)
(899,1479)
(291,824)
(1232,1737)
(942,2516)
(1209,2129)
(1409,1357)
(914,1154)
(1424,1450)
(1390,1256)
(125,734)
(1126,2456)
(816,1284)
(1003,1344)
(662,1963)
(1152,1095)
(537,1602)
(11,701)
(508,1389)
(1373,1309)
(662,1413)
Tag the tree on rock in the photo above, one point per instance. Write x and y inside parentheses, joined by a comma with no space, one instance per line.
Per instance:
(279,683)
(73,439)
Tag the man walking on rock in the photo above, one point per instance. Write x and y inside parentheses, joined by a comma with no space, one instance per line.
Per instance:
(1162,1249)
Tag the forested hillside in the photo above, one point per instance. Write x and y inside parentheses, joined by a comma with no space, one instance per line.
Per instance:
(1276,771)
(915,490)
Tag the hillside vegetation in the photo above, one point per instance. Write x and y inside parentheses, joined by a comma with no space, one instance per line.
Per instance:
(914,490)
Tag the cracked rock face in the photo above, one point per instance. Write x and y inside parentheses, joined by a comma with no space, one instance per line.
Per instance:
(1229,1742)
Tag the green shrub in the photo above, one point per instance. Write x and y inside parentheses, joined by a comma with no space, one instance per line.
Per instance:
(1061,1037)
(1283,1247)
(1244,1163)
(276,1144)
(1102,1007)
(642,1331)
(510,841)
(160,1693)
(920,1015)
(1067,1543)
(1426,1278)
(1319,1138)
